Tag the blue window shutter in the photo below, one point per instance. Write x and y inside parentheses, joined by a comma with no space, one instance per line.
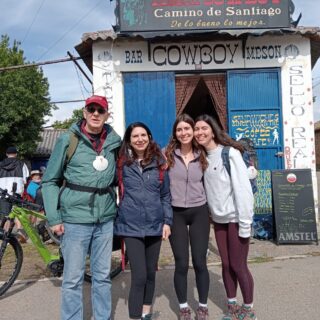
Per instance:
(254,112)
(259,89)
(150,98)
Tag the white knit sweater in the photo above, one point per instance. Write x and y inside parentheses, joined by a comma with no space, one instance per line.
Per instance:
(229,199)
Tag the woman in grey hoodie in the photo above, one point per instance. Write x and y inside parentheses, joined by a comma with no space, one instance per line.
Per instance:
(186,164)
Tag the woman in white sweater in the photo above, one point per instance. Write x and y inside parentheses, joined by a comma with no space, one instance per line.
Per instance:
(230,201)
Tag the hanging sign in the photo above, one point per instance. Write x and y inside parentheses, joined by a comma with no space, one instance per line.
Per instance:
(179,15)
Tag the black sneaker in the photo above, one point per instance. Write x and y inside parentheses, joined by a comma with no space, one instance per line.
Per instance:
(43,232)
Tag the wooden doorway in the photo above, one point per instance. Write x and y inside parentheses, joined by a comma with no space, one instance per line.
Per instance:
(201,102)
(202,94)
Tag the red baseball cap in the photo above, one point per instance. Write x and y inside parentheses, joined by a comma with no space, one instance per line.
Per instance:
(100,100)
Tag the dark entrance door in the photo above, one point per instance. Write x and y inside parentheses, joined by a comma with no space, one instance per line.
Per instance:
(202,94)
(201,102)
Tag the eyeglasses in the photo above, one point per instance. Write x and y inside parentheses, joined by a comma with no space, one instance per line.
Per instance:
(93,109)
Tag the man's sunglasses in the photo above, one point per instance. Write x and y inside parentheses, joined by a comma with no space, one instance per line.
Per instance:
(93,109)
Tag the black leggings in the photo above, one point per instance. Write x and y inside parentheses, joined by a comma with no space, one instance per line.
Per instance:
(197,219)
(234,253)
(143,254)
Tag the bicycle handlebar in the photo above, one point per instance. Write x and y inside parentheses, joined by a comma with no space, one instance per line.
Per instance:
(16,200)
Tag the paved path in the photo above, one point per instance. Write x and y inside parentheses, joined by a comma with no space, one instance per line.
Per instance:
(284,290)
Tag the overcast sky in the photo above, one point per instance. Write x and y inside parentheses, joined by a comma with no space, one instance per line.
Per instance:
(48,29)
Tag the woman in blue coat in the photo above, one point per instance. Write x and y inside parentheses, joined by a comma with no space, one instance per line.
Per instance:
(145,215)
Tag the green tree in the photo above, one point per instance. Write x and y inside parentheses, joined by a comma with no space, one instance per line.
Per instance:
(76,116)
(24,100)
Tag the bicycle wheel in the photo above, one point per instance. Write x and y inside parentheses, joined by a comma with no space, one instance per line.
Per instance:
(116,267)
(10,264)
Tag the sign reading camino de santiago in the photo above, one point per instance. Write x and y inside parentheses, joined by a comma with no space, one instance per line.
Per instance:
(176,15)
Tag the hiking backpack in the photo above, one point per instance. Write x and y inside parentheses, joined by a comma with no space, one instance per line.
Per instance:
(25,195)
(249,157)
(250,151)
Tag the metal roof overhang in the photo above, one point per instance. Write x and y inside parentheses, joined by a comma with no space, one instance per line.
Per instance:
(85,47)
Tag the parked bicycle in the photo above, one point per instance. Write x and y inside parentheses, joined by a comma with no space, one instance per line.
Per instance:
(11,252)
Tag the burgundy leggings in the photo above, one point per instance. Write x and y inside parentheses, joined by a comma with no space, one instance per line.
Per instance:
(234,253)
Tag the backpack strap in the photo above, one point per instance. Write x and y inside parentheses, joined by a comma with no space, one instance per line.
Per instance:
(247,160)
(73,144)
(225,158)
(92,190)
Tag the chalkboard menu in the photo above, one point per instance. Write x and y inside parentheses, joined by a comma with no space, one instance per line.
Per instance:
(293,205)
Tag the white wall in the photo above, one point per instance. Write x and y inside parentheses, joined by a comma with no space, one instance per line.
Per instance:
(107,81)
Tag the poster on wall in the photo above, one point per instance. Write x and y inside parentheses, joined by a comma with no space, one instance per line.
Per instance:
(179,15)
(263,224)
(262,127)
(263,198)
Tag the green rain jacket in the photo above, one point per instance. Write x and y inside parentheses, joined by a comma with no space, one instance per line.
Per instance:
(75,206)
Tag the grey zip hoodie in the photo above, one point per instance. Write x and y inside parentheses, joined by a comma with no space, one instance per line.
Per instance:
(186,184)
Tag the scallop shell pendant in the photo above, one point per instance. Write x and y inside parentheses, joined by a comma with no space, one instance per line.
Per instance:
(100,163)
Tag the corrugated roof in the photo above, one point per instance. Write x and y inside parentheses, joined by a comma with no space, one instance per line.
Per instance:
(48,141)
(85,47)
(110,34)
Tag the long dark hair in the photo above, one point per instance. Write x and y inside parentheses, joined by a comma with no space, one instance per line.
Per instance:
(220,136)
(127,155)
(174,143)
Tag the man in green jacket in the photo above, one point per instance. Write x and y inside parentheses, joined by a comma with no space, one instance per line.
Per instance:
(83,210)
